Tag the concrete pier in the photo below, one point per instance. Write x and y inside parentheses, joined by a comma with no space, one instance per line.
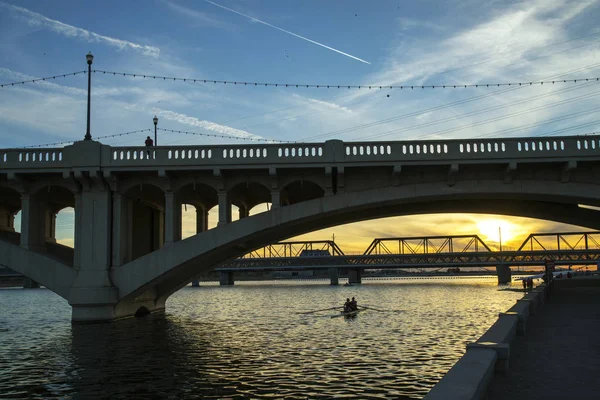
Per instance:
(504,273)
(355,276)
(334,276)
(226,278)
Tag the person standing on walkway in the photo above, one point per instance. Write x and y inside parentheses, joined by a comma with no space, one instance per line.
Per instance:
(149,142)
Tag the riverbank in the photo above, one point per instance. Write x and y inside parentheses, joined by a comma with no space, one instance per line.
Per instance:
(544,347)
(558,357)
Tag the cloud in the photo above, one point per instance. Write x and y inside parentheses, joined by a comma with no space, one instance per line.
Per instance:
(206,125)
(70,31)
(198,17)
(330,105)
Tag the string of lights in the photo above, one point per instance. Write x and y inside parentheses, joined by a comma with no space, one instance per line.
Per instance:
(332,86)
(73,141)
(226,136)
(42,79)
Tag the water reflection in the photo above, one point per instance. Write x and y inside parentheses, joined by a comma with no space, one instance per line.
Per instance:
(247,341)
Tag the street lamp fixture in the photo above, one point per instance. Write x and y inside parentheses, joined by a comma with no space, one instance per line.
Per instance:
(89,58)
(155,120)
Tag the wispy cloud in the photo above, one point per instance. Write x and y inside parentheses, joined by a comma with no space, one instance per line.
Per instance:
(288,32)
(39,20)
(198,17)
(327,104)
(203,124)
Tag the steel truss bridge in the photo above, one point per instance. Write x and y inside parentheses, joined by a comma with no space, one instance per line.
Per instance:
(564,248)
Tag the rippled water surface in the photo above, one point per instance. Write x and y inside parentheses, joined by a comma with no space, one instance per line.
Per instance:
(249,341)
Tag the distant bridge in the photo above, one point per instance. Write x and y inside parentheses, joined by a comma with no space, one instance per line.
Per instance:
(564,248)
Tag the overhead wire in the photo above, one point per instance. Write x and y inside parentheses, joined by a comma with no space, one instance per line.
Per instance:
(436,108)
(485,110)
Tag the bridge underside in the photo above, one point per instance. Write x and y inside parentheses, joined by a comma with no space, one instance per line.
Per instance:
(105,290)
(202,252)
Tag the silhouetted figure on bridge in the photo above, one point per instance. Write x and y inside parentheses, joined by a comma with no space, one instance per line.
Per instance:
(149,142)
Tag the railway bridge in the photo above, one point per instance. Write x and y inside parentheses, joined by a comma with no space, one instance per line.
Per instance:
(128,256)
(419,253)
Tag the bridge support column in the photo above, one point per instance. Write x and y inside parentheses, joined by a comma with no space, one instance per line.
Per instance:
(354,276)
(92,295)
(224,208)
(334,276)
(33,217)
(201,219)
(504,273)
(121,248)
(172,219)
(244,212)
(201,226)
(226,278)
(275,199)
(50,225)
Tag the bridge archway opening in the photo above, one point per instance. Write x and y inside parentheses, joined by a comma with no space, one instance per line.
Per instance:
(144,229)
(141,312)
(301,190)
(260,208)
(196,200)
(245,196)
(10,205)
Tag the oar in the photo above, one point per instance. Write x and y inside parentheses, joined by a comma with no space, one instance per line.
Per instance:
(325,309)
(374,309)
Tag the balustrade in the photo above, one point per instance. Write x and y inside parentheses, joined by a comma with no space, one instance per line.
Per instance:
(397,152)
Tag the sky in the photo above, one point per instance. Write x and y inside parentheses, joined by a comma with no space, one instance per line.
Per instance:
(310,42)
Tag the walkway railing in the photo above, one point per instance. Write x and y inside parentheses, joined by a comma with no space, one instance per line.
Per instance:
(333,151)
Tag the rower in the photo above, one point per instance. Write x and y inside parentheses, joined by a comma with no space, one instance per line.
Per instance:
(347,305)
(353,305)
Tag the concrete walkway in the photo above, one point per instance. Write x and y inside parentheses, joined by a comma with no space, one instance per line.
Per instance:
(559,356)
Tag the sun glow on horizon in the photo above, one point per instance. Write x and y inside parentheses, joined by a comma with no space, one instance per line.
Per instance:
(497,230)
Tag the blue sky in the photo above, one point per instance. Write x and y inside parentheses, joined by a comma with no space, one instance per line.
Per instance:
(402,42)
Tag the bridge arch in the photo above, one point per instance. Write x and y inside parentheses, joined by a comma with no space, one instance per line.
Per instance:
(172,268)
(197,194)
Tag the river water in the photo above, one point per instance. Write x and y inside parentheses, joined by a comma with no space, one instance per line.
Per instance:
(249,341)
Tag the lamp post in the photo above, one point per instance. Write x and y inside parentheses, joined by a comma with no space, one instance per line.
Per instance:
(155,120)
(89,57)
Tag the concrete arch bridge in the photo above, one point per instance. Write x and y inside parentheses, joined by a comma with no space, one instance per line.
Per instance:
(128,255)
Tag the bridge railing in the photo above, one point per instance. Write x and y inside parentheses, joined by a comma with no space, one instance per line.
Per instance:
(332,151)
(472,149)
(32,158)
(217,155)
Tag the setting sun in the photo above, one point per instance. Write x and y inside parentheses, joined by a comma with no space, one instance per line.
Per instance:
(496,230)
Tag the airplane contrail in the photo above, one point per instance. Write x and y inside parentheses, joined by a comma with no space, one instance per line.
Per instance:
(288,32)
